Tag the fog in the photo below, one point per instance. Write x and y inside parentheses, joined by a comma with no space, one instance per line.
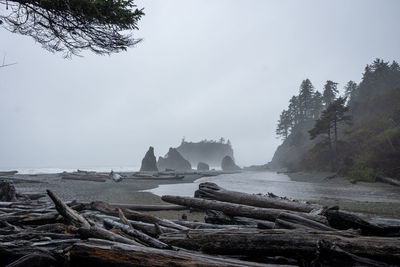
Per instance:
(204,70)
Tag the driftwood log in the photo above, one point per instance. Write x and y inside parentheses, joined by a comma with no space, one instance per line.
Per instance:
(212,191)
(291,243)
(134,215)
(388,180)
(114,254)
(237,209)
(345,220)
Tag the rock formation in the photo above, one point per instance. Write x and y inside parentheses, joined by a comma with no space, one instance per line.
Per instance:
(201,166)
(149,161)
(173,160)
(228,164)
(208,151)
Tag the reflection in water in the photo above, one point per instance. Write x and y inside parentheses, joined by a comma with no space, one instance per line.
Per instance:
(282,185)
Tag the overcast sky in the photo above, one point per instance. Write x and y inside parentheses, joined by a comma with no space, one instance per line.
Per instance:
(205,70)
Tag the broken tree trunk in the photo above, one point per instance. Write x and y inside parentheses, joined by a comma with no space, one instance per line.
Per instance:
(237,209)
(213,191)
(330,255)
(345,220)
(298,244)
(69,214)
(7,192)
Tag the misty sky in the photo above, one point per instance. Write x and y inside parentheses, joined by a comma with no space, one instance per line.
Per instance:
(205,69)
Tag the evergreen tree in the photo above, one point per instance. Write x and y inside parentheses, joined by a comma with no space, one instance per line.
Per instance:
(305,99)
(377,77)
(334,115)
(350,91)
(294,111)
(317,105)
(74,25)
(284,125)
(330,92)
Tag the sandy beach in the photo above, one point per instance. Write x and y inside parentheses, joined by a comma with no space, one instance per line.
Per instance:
(129,191)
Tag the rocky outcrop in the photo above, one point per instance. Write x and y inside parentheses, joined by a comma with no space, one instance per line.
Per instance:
(208,151)
(173,160)
(7,192)
(201,166)
(228,164)
(149,161)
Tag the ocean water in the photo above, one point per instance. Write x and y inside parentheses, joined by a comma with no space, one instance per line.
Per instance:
(282,185)
(50,170)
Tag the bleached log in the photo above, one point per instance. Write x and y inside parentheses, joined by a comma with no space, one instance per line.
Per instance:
(137,234)
(213,191)
(101,233)
(134,215)
(237,209)
(69,214)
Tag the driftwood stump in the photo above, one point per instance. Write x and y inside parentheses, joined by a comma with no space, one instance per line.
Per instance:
(7,192)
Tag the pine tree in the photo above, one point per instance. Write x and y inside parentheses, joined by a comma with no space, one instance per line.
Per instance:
(330,92)
(350,91)
(317,105)
(294,111)
(71,26)
(334,115)
(284,125)
(305,99)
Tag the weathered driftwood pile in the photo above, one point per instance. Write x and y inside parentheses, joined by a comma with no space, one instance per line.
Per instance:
(242,229)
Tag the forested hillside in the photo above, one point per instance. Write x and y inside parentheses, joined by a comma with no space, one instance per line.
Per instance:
(357,134)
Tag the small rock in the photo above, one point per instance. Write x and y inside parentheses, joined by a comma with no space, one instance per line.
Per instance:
(228,164)
(201,166)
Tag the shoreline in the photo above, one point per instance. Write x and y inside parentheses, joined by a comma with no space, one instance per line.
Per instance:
(129,191)
(369,207)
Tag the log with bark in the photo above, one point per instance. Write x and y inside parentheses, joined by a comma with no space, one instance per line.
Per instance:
(237,209)
(345,220)
(114,254)
(212,191)
(299,244)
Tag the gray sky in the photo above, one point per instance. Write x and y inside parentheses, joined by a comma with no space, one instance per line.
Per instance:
(205,69)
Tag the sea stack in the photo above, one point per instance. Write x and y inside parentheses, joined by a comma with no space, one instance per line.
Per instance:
(149,161)
(173,160)
(203,166)
(228,164)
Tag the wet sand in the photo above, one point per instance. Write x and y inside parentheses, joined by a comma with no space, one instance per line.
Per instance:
(372,206)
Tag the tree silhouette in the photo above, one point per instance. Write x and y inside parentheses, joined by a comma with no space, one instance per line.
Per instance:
(71,26)
(328,124)
(330,91)
(284,125)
